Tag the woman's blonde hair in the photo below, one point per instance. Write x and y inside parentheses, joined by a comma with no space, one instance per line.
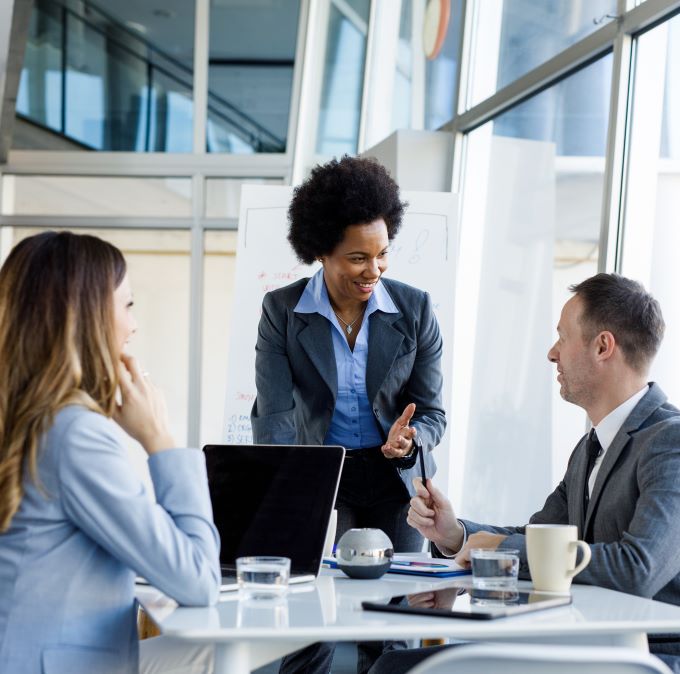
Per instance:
(57,345)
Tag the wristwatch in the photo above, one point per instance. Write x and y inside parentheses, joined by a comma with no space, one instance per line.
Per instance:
(417,447)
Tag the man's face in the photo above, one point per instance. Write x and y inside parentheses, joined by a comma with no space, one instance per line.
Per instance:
(574,356)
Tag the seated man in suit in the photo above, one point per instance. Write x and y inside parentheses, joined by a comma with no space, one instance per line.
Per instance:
(626,500)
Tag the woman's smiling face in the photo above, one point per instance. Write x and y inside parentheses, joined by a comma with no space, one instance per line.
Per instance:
(357,263)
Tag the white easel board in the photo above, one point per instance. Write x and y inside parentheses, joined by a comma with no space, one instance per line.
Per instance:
(423,255)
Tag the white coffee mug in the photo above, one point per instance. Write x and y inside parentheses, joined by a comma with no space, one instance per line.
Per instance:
(551,552)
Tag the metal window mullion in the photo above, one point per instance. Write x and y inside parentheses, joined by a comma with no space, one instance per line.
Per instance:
(148,165)
(613,196)
(64,43)
(149,99)
(647,14)
(311,65)
(196,266)
(463,54)
(419,66)
(196,263)
(465,47)
(296,103)
(94,222)
(201,53)
(368,69)
(316,43)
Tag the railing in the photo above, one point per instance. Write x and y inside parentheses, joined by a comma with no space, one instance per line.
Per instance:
(125,93)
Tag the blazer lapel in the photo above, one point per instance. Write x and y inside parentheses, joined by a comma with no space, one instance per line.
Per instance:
(654,398)
(316,341)
(383,345)
(608,462)
(577,498)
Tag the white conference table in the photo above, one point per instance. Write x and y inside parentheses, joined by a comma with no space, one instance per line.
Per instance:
(249,634)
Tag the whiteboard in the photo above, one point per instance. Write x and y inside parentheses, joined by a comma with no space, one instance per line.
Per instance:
(423,255)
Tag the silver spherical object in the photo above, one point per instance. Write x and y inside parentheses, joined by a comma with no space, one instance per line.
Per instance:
(364,553)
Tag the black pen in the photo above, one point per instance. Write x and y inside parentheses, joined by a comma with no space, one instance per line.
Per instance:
(422,464)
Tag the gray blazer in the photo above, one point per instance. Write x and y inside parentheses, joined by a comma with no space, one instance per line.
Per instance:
(69,558)
(296,372)
(634,511)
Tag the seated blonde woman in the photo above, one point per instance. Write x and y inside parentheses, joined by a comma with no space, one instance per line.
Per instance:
(76,523)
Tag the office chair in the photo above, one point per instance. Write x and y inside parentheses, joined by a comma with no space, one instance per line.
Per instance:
(146,627)
(539,659)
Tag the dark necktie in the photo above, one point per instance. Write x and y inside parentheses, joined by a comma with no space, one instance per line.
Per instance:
(593,449)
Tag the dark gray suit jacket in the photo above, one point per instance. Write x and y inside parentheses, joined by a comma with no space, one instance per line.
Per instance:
(296,372)
(633,514)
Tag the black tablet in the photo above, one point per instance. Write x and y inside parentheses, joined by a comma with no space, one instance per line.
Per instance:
(465,601)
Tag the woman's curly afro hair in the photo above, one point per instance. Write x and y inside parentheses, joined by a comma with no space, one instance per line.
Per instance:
(351,191)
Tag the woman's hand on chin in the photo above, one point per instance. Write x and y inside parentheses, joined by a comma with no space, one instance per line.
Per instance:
(142,413)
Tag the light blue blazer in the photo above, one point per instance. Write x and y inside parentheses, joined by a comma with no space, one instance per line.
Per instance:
(69,559)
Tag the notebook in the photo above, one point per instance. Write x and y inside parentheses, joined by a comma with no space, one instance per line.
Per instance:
(419,565)
(273,500)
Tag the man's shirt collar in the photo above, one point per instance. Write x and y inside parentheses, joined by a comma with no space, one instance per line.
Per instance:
(609,426)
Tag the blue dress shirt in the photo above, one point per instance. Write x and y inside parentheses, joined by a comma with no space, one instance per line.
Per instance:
(353,425)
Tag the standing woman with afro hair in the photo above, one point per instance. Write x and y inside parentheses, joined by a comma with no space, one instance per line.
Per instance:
(349,357)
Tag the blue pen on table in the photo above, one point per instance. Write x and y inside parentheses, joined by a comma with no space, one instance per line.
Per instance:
(414,563)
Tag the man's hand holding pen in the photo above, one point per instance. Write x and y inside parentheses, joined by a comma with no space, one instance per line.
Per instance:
(432,515)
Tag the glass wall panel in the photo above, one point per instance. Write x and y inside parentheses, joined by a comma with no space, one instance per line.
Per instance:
(158,268)
(122,91)
(343,78)
(218,298)
(651,236)
(440,74)
(40,95)
(95,196)
(252,58)
(403,71)
(530,227)
(223,195)
(513,37)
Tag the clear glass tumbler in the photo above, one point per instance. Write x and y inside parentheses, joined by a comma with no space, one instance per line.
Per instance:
(263,577)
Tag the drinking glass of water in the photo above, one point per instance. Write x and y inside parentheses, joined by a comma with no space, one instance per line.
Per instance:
(494,569)
(263,577)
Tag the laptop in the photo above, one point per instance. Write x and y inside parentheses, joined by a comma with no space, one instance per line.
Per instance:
(273,500)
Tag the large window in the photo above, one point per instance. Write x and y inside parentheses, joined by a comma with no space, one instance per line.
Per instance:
(252,57)
(651,236)
(105,81)
(514,36)
(343,78)
(441,74)
(530,227)
(121,77)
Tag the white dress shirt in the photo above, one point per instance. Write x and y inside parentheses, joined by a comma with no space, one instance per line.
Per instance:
(607,429)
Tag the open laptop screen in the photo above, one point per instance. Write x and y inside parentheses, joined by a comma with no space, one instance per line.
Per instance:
(273,500)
